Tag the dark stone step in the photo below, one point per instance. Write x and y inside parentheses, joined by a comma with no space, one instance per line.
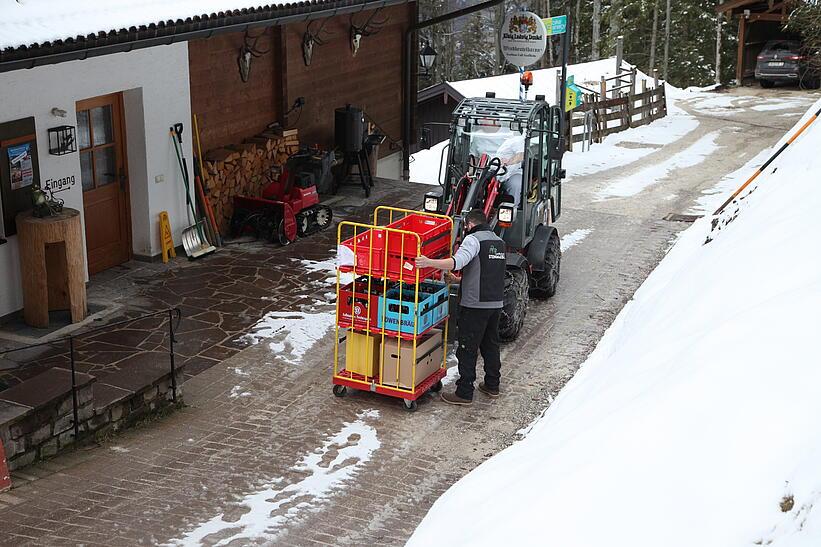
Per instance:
(45,388)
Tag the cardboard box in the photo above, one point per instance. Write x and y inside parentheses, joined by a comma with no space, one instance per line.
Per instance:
(429,357)
(362,353)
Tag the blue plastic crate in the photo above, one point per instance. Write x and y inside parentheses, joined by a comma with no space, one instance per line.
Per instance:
(432,307)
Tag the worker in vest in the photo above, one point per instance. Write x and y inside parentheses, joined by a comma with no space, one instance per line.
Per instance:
(481,259)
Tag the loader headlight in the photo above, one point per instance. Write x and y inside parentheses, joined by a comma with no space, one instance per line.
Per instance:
(431,202)
(506,214)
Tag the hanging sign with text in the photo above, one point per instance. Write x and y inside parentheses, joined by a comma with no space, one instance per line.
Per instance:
(523,38)
(555,25)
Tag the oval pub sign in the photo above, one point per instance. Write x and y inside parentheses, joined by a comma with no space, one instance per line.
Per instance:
(523,38)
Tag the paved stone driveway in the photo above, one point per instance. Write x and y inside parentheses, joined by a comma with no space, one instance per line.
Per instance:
(264,454)
(220,296)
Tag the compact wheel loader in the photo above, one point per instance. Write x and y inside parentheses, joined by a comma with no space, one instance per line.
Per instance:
(505,158)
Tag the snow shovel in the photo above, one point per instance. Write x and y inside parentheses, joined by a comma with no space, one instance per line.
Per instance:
(194,240)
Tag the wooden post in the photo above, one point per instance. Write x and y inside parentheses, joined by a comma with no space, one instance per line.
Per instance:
(644,102)
(603,110)
(655,77)
(742,36)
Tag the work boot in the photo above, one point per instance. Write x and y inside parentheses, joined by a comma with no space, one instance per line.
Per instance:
(454,399)
(490,392)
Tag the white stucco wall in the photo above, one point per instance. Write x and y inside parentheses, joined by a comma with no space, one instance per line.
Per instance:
(155,88)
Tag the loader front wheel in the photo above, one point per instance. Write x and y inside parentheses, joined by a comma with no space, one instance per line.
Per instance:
(546,281)
(517,288)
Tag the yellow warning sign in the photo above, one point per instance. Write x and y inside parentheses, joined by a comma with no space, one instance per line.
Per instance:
(165,238)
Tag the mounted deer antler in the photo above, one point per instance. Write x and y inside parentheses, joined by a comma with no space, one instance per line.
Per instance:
(370,28)
(247,52)
(311,38)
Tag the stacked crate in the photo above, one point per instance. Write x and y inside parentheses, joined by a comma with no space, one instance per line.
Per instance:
(392,316)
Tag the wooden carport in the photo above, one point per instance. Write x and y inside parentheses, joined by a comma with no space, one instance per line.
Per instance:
(758,21)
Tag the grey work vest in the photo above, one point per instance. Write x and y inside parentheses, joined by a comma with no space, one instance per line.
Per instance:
(483,279)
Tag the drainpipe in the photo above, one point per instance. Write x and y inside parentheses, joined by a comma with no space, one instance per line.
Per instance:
(410,36)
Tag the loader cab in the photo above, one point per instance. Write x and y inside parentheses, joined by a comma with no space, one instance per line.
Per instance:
(525,136)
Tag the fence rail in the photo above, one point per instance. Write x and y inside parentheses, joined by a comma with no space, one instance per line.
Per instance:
(172,315)
(614,110)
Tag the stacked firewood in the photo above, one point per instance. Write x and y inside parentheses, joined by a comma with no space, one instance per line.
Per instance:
(245,169)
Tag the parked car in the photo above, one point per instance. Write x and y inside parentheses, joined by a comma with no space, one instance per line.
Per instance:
(784,61)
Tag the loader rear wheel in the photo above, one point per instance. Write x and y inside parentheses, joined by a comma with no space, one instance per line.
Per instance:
(546,282)
(517,297)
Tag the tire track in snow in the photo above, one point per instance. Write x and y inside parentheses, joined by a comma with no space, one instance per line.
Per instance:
(634,184)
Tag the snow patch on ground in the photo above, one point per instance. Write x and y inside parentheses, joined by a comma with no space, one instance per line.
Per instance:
(574,238)
(237,391)
(694,421)
(290,335)
(325,472)
(120,449)
(633,184)
(239,372)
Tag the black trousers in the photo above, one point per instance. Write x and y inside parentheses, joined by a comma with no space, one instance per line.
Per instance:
(478,332)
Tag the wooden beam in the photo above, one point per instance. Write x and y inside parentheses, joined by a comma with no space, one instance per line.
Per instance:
(767,17)
(774,7)
(733,4)
(742,36)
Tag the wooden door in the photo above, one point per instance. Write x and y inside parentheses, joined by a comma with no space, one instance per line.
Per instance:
(104,174)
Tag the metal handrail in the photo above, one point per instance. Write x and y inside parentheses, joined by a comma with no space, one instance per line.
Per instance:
(171,312)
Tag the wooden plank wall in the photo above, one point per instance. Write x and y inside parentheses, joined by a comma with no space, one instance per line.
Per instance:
(372,80)
(230,110)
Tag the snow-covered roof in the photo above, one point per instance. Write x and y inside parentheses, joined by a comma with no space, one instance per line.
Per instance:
(26,22)
(31,28)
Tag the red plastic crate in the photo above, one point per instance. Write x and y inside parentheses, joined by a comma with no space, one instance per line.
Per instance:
(355,297)
(435,242)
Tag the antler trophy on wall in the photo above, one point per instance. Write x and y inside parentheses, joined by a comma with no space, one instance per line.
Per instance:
(369,28)
(248,51)
(311,38)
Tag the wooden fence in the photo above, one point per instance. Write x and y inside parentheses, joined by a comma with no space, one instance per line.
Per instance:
(600,116)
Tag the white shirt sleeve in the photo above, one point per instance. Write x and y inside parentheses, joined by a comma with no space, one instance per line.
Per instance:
(468,250)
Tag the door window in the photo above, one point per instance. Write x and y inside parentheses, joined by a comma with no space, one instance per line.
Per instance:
(98,157)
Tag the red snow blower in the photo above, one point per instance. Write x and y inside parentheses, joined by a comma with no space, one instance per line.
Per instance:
(288,208)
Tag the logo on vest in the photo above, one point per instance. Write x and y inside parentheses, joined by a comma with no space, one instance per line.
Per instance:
(494,254)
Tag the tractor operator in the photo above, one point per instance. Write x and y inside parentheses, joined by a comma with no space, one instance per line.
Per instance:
(481,259)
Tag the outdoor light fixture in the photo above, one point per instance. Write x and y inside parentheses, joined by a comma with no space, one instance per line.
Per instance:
(427,56)
(506,214)
(62,140)
(432,200)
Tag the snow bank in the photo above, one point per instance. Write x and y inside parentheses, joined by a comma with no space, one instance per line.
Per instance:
(506,86)
(37,21)
(695,420)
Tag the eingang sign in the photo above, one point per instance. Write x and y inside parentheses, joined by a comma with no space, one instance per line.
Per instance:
(523,38)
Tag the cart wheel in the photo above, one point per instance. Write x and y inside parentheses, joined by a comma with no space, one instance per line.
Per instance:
(437,387)
(340,391)
(410,406)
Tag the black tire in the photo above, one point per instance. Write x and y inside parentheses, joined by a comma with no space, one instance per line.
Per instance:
(281,237)
(517,297)
(545,283)
(340,391)
(437,387)
(766,84)
(410,406)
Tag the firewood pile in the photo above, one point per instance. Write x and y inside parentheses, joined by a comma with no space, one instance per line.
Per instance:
(245,169)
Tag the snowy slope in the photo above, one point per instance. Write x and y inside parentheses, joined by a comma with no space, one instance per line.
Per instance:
(37,21)
(695,420)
